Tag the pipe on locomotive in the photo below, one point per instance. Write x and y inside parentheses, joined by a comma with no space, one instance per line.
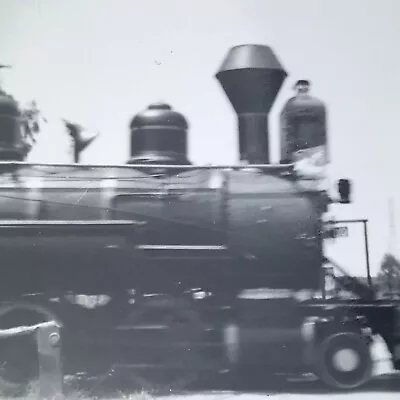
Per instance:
(251,77)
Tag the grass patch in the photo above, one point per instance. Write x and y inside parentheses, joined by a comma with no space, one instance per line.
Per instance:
(82,396)
(33,394)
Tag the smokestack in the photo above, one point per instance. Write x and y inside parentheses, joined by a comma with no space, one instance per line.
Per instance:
(251,77)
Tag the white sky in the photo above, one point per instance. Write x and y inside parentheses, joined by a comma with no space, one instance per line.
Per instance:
(101,61)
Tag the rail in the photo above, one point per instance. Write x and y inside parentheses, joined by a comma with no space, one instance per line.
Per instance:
(48,346)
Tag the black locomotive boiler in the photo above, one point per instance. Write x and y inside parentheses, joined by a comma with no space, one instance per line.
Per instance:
(112,251)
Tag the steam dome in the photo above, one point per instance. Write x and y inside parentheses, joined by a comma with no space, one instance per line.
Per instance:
(8,106)
(159,136)
(304,99)
(303,124)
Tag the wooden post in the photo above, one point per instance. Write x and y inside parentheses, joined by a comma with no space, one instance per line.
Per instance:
(50,368)
(48,345)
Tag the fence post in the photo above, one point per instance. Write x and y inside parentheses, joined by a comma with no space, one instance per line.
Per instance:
(49,355)
(50,367)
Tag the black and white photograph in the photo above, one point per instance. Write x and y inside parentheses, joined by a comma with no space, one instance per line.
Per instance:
(199,199)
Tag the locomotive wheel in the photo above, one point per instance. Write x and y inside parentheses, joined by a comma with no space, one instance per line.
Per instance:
(18,355)
(344,361)
(172,332)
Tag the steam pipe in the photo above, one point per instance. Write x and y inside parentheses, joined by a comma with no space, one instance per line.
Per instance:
(270,167)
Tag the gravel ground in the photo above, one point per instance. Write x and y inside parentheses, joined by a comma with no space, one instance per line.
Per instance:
(293,396)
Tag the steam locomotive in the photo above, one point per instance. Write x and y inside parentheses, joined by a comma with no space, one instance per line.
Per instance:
(125,253)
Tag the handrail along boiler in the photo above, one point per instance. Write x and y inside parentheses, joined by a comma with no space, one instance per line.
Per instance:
(104,248)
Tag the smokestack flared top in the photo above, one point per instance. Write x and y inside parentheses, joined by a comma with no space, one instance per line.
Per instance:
(251,76)
(251,56)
